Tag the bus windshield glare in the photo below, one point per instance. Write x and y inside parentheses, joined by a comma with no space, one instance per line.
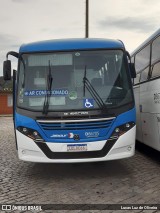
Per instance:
(60,76)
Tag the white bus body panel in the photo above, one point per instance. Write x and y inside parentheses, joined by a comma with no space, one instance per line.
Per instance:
(149,116)
(29,151)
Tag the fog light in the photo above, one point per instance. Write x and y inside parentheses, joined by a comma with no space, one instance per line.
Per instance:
(129,148)
(23,152)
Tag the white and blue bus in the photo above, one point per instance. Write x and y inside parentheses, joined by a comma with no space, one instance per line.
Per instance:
(73,101)
(147,90)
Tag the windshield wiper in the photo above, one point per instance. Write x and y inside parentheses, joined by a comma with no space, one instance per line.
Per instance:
(92,91)
(48,90)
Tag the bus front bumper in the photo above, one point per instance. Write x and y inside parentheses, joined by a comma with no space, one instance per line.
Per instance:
(123,147)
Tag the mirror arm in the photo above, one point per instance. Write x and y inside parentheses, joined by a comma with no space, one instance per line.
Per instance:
(132,68)
(128,56)
(15,54)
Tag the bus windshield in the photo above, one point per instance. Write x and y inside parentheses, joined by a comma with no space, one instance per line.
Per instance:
(61,78)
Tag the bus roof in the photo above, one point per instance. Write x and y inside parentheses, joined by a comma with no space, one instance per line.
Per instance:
(71,44)
(153,36)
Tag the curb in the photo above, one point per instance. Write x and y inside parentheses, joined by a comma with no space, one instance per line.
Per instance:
(10,115)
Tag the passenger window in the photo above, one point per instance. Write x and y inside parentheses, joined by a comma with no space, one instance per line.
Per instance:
(156,58)
(142,59)
(156,70)
(144,74)
(155,50)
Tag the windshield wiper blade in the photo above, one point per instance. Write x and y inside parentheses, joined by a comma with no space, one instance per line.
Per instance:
(48,90)
(92,91)
(84,86)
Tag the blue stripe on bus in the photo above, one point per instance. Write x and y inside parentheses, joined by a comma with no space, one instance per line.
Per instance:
(123,118)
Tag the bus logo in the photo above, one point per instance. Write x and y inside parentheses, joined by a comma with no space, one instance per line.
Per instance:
(70,135)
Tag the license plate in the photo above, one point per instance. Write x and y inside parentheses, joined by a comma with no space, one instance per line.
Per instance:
(77,148)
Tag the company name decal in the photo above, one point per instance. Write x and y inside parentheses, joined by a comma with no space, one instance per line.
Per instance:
(59,136)
(45,92)
(91,134)
(69,135)
(75,113)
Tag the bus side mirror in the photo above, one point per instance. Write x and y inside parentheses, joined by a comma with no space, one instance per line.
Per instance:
(132,70)
(7,70)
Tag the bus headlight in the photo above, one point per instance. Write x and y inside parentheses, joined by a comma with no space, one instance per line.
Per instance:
(31,133)
(120,130)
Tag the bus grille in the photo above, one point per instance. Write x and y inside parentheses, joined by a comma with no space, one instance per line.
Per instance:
(76,125)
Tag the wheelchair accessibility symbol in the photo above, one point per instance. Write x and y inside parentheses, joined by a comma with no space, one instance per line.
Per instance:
(88,103)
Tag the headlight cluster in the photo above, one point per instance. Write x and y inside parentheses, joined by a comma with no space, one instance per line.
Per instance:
(31,133)
(120,130)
